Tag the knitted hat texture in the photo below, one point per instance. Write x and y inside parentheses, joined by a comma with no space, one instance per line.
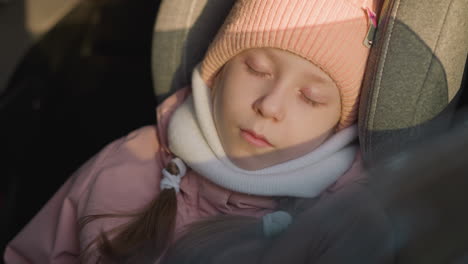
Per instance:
(328,33)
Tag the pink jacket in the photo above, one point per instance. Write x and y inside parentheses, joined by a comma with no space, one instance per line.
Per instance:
(124,177)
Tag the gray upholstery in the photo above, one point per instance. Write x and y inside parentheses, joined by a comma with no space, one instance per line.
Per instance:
(415,70)
(182,33)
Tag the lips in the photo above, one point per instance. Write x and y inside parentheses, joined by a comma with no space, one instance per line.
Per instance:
(255,139)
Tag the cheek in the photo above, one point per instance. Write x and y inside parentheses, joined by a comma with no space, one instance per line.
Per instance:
(234,98)
(333,114)
(218,111)
(312,126)
(221,105)
(226,105)
(217,94)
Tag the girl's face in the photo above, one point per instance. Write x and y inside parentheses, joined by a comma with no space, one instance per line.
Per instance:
(275,95)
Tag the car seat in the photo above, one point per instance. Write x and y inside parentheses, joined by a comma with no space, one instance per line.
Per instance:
(414,79)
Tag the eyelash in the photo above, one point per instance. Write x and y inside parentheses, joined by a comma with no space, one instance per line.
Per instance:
(261,74)
(253,71)
(309,101)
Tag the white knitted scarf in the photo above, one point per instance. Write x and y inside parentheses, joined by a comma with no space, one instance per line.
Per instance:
(193,137)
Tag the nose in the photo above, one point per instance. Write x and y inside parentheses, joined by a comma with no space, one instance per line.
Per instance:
(270,105)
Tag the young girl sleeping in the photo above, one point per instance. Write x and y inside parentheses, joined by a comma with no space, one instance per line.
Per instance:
(269,117)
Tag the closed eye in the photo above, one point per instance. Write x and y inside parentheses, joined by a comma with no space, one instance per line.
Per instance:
(256,72)
(308,100)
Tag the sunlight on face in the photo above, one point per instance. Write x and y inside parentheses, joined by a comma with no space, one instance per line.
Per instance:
(271,106)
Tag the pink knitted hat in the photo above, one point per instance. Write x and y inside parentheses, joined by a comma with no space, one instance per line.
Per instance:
(329,33)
